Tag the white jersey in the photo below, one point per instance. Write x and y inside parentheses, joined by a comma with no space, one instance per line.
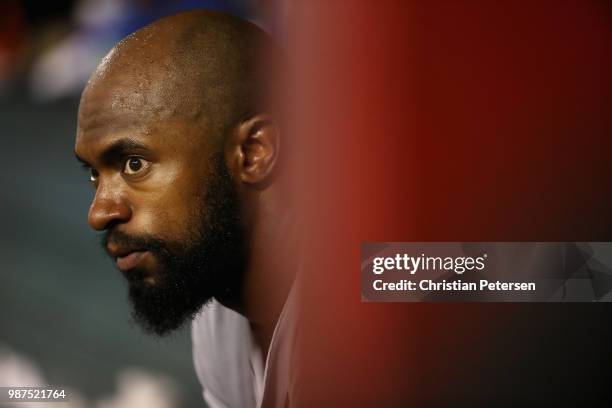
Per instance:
(229,363)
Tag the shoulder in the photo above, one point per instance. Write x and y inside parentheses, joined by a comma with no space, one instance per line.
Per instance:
(222,345)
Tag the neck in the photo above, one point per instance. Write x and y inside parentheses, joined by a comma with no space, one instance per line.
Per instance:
(271,269)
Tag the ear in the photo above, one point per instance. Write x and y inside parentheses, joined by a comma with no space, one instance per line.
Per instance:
(257,145)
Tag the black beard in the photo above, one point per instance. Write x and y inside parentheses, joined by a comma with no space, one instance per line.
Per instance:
(212,265)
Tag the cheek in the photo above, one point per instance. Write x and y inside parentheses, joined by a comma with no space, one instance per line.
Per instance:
(171,211)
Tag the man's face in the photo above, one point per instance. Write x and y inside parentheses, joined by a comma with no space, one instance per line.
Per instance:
(166,202)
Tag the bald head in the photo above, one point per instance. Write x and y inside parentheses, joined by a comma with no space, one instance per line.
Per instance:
(198,65)
(182,156)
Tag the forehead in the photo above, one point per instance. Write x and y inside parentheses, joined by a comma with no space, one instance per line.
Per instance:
(142,95)
(172,139)
(139,104)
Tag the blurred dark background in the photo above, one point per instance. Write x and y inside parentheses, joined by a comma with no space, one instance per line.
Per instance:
(64,314)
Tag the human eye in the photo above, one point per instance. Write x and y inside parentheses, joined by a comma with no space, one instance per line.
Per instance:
(93,175)
(134,165)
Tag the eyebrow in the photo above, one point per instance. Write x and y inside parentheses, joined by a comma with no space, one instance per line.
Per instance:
(83,162)
(115,151)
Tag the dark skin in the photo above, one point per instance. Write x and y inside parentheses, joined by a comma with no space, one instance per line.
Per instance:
(152,113)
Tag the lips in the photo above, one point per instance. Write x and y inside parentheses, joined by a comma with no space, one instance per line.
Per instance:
(126,258)
(130,260)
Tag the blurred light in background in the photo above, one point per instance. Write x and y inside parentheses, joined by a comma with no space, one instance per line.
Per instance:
(55,46)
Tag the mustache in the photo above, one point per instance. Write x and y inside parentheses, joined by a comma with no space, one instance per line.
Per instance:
(133,242)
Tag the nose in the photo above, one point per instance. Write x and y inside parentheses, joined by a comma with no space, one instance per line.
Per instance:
(107,210)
